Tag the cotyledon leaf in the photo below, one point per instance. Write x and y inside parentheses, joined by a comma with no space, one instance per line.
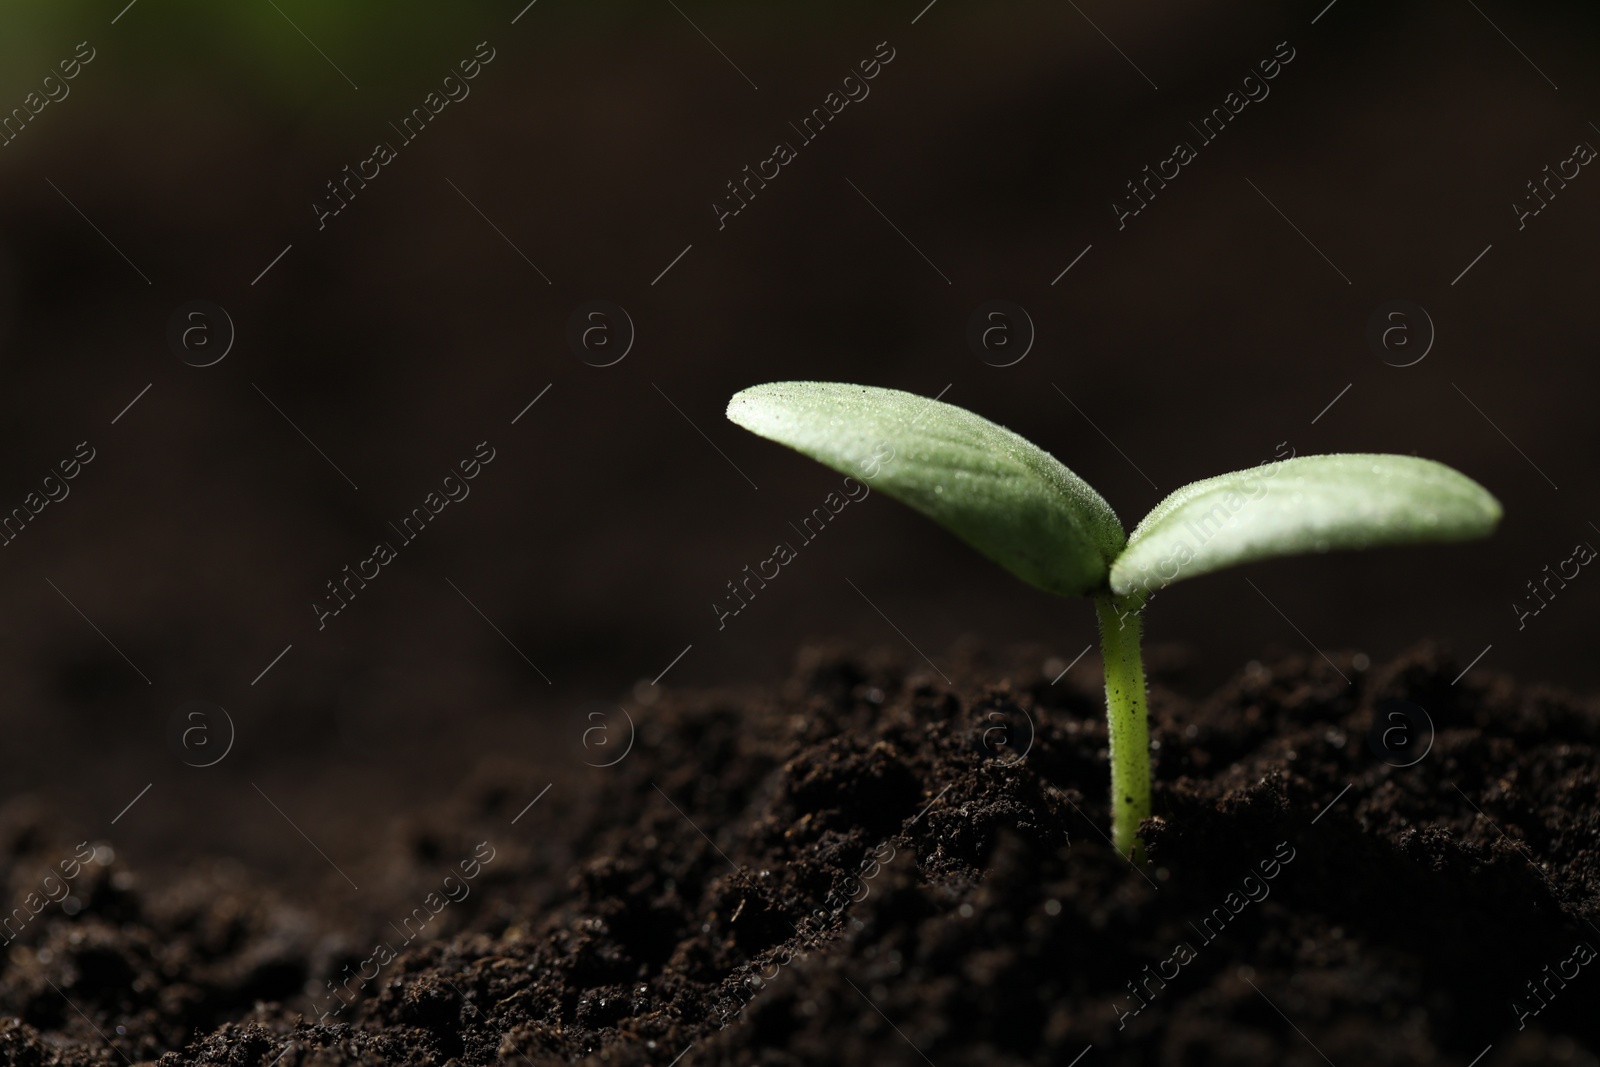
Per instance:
(1306,504)
(999,492)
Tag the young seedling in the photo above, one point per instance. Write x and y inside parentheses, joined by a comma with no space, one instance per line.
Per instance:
(1018,505)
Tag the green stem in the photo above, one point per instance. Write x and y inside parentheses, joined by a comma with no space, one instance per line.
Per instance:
(1128,719)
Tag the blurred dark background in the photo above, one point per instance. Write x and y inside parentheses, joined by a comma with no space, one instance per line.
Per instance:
(423,318)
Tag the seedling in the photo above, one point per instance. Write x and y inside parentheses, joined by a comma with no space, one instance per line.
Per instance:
(1018,505)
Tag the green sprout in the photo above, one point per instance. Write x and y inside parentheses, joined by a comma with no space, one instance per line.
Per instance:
(1018,505)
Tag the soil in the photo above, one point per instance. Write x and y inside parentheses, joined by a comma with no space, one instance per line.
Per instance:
(861,867)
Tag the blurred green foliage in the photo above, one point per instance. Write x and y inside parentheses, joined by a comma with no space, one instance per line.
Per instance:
(268,49)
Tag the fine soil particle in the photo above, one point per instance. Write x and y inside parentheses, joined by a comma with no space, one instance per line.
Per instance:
(870,867)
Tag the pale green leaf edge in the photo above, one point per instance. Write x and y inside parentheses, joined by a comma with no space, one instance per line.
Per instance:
(1305,504)
(996,490)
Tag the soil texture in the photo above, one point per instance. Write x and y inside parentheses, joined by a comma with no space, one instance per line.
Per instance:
(866,865)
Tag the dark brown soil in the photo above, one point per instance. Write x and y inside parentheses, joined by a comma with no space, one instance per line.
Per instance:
(853,869)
